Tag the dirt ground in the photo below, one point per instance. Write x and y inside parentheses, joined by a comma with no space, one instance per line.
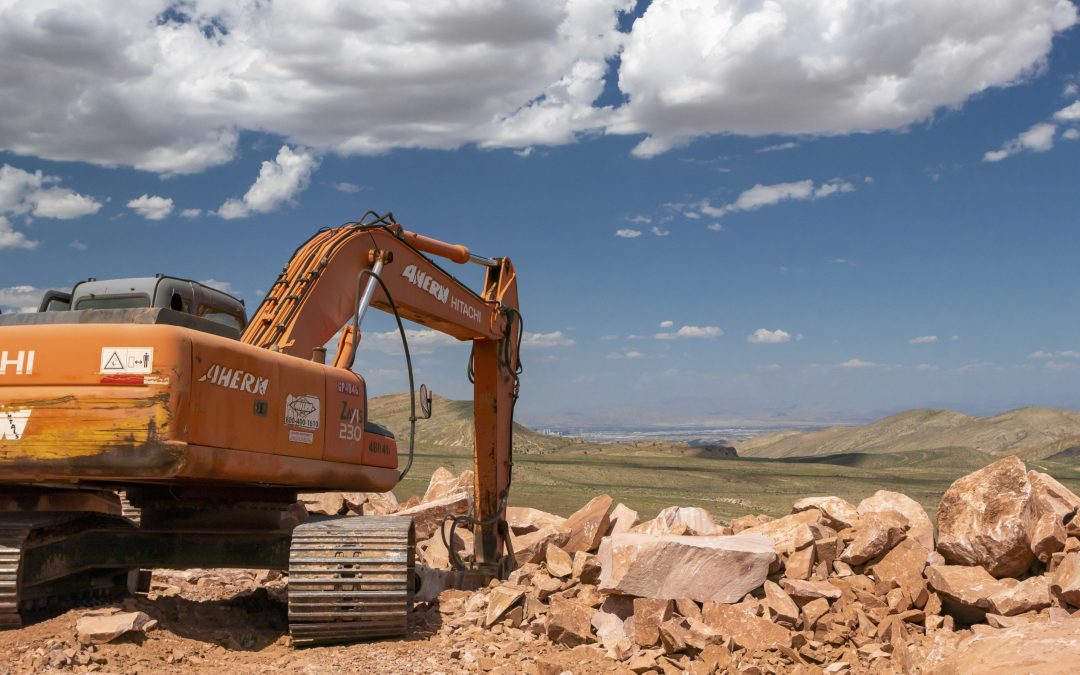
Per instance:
(234,621)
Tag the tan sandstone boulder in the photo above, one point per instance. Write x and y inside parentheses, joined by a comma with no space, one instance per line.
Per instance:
(789,533)
(523,520)
(921,528)
(721,569)
(1031,647)
(839,513)
(876,534)
(690,520)
(587,526)
(966,591)
(985,519)
(427,516)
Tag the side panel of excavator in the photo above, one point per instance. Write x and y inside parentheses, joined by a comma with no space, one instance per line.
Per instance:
(117,404)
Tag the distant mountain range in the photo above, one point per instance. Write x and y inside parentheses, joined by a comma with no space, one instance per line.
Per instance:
(1031,433)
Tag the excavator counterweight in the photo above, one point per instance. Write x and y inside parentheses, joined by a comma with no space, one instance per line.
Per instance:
(155,389)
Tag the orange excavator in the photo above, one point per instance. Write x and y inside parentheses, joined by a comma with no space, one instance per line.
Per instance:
(156,388)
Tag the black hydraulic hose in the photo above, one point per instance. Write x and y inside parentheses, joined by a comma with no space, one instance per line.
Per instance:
(408,358)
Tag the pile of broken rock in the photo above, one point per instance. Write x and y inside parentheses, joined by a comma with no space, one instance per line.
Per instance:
(833,587)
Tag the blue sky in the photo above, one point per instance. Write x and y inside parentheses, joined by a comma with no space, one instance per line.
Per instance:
(841,212)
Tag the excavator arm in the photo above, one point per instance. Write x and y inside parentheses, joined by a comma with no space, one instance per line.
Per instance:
(333,278)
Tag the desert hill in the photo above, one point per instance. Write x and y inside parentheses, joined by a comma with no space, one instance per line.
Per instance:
(1032,433)
(451,425)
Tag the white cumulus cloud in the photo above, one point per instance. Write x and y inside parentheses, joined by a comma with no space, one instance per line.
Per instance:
(923,340)
(120,83)
(858,363)
(697,67)
(691,332)
(667,324)
(553,339)
(1069,113)
(660,231)
(169,87)
(20,298)
(764,336)
(1039,138)
(627,233)
(23,193)
(279,182)
(152,208)
(766,195)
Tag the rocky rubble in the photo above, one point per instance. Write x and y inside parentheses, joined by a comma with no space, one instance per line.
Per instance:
(833,587)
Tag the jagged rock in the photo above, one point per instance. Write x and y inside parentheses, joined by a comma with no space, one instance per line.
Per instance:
(530,548)
(523,520)
(649,614)
(690,520)
(789,533)
(501,599)
(966,591)
(428,515)
(444,483)
(877,533)
(569,623)
(723,569)
(407,504)
(322,503)
(673,634)
(1047,536)
(586,568)
(920,527)
(98,628)
(610,627)
(587,526)
(984,519)
(800,564)
(1066,579)
(1029,595)
(839,513)
(782,609)
(558,561)
(805,591)
(1033,647)
(746,522)
(623,519)
(1054,504)
(813,611)
(904,565)
(380,504)
(745,629)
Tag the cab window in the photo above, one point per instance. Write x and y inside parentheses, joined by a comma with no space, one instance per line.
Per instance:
(222,317)
(113,301)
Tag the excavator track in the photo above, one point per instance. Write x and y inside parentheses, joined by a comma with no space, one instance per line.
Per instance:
(20,535)
(351,579)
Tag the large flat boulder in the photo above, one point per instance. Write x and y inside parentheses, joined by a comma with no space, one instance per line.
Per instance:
(531,547)
(1066,579)
(966,592)
(985,519)
(1030,647)
(1055,506)
(427,516)
(720,569)
(921,528)
(623,519)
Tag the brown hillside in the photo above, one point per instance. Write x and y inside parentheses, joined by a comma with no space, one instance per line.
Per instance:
(451,425)
(1035,433)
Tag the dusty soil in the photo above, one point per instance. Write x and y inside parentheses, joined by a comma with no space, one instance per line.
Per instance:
(234,621)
